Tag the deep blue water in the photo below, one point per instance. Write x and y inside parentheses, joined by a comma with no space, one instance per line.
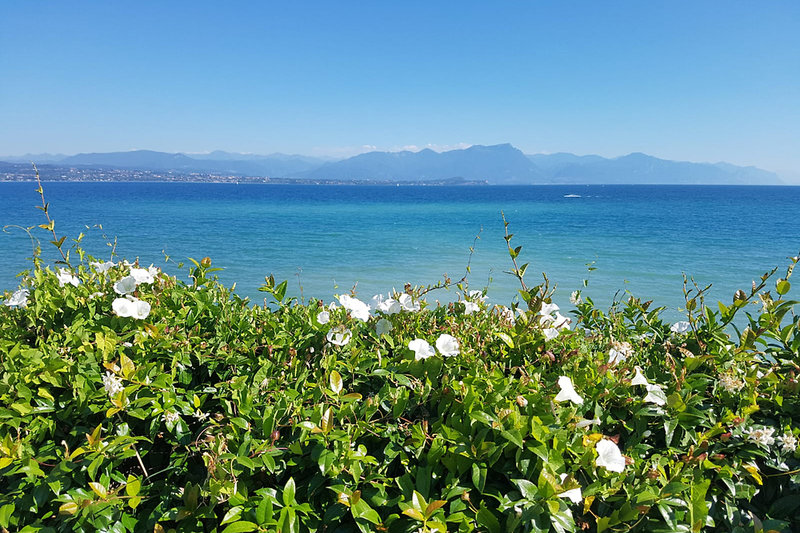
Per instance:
(327,238)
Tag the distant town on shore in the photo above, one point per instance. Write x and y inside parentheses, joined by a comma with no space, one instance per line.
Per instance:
(501,164)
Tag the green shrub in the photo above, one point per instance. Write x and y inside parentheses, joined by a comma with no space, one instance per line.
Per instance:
(182,407)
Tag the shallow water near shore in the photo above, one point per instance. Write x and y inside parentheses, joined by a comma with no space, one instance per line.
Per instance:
(326,239)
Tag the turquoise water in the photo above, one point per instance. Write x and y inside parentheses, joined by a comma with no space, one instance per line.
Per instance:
(325,239)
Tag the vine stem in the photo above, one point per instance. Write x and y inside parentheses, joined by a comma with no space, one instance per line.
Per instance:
(138,457)
(51,225)
(512,252)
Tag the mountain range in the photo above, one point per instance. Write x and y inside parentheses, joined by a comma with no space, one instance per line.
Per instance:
(501,164)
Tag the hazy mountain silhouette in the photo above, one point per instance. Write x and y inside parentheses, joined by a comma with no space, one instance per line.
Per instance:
(501,164)
(645,169)
(216,162)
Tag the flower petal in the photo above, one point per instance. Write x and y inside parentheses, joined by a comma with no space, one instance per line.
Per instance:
(339,336)
(567,391)
(572,494)
(680,327)
(421,349)
(447,345)
(638,378)
(609,456)
(126,285)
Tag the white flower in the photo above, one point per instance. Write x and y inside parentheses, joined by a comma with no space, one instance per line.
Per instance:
(619,352)
(96,295)
(339,336)
(476,296)
(680,327)
(383,326)
(358,309)
(471,307)
(609,456)
(421,349)
(638,378)
(567,391)
(615,356)
(585,423)
(323,317)
(408,303)
(154,271)
(171,417)
(112,384)
(65,276)
(388,306)
(142,275)
(131,307)
(655,395)
(550,333)
(575,298)
(560,321)
(126,285)
(730,383)
(788,442)
(18,299)
(762,436)
(572,494)
(447,345)
(102,266)
(548,309)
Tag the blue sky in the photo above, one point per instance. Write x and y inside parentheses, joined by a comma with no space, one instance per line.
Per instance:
(688,80)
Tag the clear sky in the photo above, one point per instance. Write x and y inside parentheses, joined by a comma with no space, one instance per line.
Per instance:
(698,81)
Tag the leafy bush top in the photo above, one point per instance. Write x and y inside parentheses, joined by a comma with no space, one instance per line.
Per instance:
(131,401)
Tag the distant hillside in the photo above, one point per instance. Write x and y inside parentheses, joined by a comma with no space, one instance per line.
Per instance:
(645,169)
(501,164)
(276,165)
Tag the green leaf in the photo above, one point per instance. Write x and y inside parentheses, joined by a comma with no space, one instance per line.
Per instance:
(419,502)
(487,519)
(99,489)
(5,514)
(289,492)
(361,509)
(698,510)
(69,508)
(527,488)
(133,486)
(264,511)
(414,513)
(478,476)
(326,423)
(336,382)
(506,338)
(240,527)
(513,436)
(353,396)
(232,515)
(782,286)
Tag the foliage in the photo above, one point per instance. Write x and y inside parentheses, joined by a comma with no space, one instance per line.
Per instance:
(210,414)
